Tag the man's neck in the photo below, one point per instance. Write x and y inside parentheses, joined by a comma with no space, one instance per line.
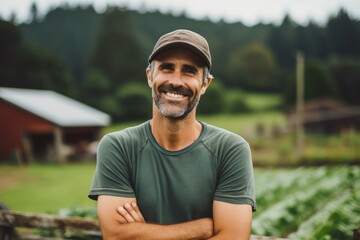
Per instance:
(174,135)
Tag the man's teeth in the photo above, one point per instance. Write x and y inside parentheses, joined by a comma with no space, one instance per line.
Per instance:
(174,95)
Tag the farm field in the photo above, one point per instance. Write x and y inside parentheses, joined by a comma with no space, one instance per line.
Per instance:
(299,203)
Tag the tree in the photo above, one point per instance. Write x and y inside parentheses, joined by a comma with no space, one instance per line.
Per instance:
(10,41)
(343,34)
(319,83)
(213,101)
(282,41)
(347,77)
(34,12)
(26,66)
(67,32)
(235,102)
(134,102)
(312,41)
(10,48)
(117,52)
(96,84)
(254,68)
(37,68)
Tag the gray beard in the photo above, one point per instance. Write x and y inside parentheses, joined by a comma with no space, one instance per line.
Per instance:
(165,107)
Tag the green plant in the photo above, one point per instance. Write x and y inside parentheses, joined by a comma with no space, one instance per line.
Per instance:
(213,101)
(236,103)
(135,101)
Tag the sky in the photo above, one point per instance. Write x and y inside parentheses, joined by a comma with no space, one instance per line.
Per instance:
(249,12)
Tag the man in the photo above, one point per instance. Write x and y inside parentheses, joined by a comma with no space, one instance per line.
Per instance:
(173,177)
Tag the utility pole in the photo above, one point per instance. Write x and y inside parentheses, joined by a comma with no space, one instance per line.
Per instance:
(299,104)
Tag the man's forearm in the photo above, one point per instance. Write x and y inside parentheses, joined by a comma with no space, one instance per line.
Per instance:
(197,229)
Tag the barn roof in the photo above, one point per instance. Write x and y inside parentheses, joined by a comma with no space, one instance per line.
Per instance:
(54,107)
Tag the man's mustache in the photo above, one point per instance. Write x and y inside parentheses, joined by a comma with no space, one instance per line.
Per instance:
(179,90)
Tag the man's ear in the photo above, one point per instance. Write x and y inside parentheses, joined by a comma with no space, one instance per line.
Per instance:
(206,84)
(148,76)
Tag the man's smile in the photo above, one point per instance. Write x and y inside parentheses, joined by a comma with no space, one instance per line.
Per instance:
(174,95)
(175,92)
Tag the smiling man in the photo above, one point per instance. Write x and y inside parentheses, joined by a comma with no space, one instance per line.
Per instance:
(174,177)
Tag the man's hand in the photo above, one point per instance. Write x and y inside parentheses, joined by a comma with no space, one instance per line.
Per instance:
(130,213)
(114,221)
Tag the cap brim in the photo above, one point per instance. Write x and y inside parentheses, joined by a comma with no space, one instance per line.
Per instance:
(178,44)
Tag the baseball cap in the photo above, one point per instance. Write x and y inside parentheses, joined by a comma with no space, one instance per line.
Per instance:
(186,39)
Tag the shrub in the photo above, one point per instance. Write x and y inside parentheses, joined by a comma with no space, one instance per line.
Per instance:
(235,102)
(135,102)
(213,100)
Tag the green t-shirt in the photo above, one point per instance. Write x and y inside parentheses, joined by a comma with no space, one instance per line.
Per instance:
(175,186)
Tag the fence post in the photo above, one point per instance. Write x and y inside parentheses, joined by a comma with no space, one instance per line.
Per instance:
(7,232)
(356,235)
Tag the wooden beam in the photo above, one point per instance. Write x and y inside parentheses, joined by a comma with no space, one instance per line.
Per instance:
(49,222)
(58,144)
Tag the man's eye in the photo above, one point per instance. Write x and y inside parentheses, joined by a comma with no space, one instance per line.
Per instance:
(190,72)
(166,69)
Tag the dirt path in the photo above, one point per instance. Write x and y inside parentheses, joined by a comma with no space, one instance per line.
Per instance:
(11,176)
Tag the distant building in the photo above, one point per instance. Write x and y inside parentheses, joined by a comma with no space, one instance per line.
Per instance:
(327,116)
(46,126)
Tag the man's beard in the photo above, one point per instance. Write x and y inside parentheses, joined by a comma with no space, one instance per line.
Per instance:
(174,109)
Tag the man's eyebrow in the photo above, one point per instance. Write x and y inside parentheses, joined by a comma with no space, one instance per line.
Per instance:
(166,65)
(190,68)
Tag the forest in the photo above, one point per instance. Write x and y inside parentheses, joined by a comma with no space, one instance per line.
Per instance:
(82,54)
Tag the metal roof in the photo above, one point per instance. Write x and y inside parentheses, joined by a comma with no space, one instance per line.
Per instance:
(54,107)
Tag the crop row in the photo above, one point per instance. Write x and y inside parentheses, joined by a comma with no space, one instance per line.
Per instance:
(337,218)
(272,186)
(298,198)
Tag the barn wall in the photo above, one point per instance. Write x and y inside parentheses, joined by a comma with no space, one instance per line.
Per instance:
(15,121)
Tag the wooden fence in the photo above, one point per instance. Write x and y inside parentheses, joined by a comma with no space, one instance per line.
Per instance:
(21,226)
(15,225)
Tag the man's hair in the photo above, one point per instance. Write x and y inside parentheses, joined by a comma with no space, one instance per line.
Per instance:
(206,71)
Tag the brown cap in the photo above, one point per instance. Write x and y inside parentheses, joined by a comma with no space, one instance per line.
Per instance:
(186,39)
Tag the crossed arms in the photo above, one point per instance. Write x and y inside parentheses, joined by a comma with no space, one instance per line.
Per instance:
(120,218)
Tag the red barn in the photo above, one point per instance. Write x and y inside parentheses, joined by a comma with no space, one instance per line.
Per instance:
(47,126)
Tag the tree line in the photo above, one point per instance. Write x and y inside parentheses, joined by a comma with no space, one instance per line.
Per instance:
(100,58)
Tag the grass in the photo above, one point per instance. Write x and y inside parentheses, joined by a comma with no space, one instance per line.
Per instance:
(245,124)
(46,187)
(242,124)
(262,101)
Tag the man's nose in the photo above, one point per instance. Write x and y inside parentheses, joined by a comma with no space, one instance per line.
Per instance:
(177,78)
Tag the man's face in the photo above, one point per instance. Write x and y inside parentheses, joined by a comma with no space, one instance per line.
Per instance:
(177,82)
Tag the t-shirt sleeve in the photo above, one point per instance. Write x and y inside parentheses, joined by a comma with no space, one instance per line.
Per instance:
(235,175)
(112,173)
